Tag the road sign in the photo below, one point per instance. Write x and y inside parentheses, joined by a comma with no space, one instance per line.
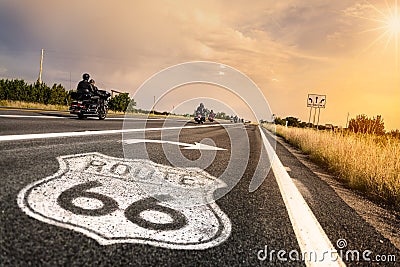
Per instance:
(100,196)
(316,101)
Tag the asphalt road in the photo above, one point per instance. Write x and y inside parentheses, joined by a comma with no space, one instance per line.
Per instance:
(45,223)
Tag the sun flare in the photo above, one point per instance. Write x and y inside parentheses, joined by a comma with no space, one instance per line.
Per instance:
(393,24)
(388,26)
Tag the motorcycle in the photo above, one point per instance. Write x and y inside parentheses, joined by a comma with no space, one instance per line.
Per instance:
(199,118)
(87,105)
(211,117)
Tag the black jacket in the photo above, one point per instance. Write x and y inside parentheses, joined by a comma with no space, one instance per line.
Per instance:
(85,87)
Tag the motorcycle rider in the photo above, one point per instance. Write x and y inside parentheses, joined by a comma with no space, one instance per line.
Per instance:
(200,116)
(201,110)
(84,87)
(93,85)
(90,100)
(212,114)
(96,94)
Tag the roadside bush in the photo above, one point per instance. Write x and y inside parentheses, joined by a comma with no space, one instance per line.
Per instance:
(120,102)
(19,90)
(365,125)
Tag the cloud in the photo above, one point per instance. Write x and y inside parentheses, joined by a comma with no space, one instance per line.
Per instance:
(92,35)
(3,69)
(122,43)
(359,9)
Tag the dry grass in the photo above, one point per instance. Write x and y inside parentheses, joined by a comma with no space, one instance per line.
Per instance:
(21,104)
(367,163)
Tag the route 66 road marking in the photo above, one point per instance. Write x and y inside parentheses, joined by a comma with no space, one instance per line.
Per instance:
(100,196)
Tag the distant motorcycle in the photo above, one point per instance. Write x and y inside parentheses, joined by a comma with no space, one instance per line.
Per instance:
(87,105)
(199,118)
(211,117)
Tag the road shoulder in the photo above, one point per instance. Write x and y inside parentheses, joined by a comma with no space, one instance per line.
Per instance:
(385,221)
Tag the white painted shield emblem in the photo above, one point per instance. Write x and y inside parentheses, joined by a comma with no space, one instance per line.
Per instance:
(100,196)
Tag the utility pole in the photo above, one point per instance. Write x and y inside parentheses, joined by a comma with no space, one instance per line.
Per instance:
(154,103)
(41,67)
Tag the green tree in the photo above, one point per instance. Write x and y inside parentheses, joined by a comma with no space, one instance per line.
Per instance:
(279,121)
(303,124)
(293,122)
(19,90)
(363,124)
(220,115)
(58,95)
(120,102)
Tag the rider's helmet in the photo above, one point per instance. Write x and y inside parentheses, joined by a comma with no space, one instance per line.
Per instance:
(86,76)
(201,105)
(92,81)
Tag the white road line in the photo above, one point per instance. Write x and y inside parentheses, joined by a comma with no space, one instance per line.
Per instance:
(69,117)
(196,145)
(148,119)
(309,233)
(32,116)
(103,132)
(134,119)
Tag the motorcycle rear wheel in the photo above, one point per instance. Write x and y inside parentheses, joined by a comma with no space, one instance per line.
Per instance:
(102,116)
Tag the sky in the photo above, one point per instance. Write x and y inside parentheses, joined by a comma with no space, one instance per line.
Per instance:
(346,49)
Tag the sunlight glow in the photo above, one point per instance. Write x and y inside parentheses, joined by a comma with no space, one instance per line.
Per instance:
(388,23)
(393,24)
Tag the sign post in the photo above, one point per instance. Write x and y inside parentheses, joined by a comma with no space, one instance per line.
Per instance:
(317,102)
